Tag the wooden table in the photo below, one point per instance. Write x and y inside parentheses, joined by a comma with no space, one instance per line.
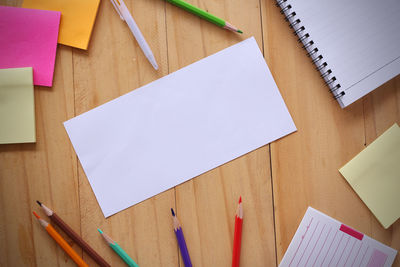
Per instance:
(277,182)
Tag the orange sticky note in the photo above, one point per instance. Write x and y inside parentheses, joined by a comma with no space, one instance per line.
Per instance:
(77,19)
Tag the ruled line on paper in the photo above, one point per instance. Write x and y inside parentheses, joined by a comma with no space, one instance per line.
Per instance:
(312,251)
(309,241)
(344,250)
(322,246)
(365,253)
(327,252)
(352,247)
(340,241)
(358,252)
(302,239)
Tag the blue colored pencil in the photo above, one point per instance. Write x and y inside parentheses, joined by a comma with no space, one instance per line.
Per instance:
(181,241)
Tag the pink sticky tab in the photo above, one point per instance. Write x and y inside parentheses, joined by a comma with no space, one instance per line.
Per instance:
(352,232)
(28,38)
(377,259)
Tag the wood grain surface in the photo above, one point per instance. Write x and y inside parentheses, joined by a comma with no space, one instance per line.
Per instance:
(277,182)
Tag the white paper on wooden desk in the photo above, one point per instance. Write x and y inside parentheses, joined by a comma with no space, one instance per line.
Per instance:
(180,126)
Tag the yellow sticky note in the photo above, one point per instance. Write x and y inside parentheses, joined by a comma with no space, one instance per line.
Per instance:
(17,106)
(375,175)
(77,19)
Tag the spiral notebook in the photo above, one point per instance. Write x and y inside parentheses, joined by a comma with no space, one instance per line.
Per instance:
(355,45)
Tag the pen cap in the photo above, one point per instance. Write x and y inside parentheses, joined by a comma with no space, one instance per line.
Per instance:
(116,6)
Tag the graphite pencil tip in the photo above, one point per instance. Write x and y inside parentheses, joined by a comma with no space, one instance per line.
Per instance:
(36,215)
(172,211)
(39,203)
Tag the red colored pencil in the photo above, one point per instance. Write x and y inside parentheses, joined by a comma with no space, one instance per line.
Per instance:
(237,238)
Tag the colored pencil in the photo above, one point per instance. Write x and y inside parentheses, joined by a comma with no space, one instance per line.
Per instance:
(114,245)
(61,242)
(181,241)
(73,235)
(204,15)
(237,238)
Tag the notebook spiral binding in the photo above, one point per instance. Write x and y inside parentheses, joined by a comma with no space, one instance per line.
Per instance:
(310,47)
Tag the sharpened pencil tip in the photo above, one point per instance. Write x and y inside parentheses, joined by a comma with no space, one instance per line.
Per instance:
(239,31)
(240,199)
(172,211)
(101,232)
(36,215)
(39,203)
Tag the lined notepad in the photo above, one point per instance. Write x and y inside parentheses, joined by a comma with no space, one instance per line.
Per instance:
(323,241)
(359,41)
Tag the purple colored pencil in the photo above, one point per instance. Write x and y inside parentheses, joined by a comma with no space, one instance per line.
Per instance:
(181,241)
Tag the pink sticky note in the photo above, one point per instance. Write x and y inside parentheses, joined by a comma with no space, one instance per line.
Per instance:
(28,38)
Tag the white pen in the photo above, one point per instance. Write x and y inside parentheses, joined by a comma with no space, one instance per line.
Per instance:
(124,14)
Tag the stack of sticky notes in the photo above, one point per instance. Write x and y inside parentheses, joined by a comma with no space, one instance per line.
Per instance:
(28,45)
(375,176)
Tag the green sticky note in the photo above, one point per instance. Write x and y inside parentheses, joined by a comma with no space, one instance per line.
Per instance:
(375,176)
(17,106)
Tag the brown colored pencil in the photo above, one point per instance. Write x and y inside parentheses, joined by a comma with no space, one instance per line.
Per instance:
(73,235)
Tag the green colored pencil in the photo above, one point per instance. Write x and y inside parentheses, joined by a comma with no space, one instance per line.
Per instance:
(114,245)
(204,15)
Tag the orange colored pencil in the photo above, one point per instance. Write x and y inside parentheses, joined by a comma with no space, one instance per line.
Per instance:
(61,242)
(73,235)
(237,238)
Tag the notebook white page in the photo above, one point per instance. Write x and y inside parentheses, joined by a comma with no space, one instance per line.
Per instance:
(179,126)
(358,39)
(323,241)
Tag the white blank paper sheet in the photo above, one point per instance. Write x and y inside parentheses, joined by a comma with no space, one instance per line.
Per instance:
(323,241)
(179,126)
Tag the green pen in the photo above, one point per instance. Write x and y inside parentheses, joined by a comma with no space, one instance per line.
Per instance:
(114,245)
(204,15)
